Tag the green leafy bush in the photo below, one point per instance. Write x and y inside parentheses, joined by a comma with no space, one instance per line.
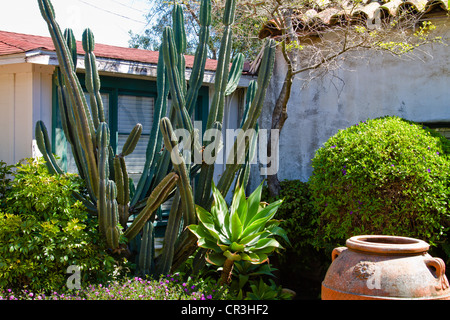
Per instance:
(302,265)
(43,230)
(297,214)
(382,176)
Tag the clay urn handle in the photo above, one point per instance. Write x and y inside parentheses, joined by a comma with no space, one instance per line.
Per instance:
(336,252)
(437,264)
(438,271)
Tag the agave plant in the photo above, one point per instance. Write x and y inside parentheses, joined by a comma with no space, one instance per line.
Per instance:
(243,232)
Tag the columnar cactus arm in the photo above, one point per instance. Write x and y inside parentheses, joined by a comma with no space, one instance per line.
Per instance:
(112,228)
(147,251)
(103,140)
(85,126)
(92,78)
(223,65)
(201,53)
(176,87)
(67,115)
(44,146)
(171,144)
(203,190)
(235,74)
(264,76)
(156,198)
(107,192)
(132,140)
(121,180)
(243,174)
(171,235)
(71,45)
(251,93)
(155,141)
(121,175)
(215,116)
(180,42)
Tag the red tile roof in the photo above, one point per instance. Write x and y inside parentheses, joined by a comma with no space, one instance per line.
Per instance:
(326,13)
(12,43)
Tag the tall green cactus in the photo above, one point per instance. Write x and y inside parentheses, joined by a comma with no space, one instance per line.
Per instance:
(226,82)
(165,174)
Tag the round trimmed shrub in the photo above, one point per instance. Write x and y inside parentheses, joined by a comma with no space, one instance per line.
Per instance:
(382,176)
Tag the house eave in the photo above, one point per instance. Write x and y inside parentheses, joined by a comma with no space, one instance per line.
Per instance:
(106,66)
(13,58)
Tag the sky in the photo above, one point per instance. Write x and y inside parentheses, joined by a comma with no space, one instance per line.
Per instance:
(110,20)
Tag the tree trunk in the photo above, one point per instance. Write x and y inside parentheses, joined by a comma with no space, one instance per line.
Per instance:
(279,114)
(225,277)
(279,117)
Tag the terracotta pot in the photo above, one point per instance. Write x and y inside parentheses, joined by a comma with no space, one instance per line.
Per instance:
(385,268)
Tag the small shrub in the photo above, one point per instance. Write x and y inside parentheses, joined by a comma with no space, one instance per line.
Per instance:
(302,265)
(297,213)
(382,176)
(43,230)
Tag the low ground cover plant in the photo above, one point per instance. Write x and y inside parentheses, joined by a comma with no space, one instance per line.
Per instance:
(169,287)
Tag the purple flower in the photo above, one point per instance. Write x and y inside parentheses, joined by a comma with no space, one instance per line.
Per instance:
(429,170)
(332,147)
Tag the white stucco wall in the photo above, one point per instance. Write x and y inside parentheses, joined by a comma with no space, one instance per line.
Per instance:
(375,86)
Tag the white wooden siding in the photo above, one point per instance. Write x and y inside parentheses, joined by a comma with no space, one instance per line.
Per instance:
(25,97)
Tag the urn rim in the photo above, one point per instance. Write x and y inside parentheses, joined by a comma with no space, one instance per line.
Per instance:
(387,244)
